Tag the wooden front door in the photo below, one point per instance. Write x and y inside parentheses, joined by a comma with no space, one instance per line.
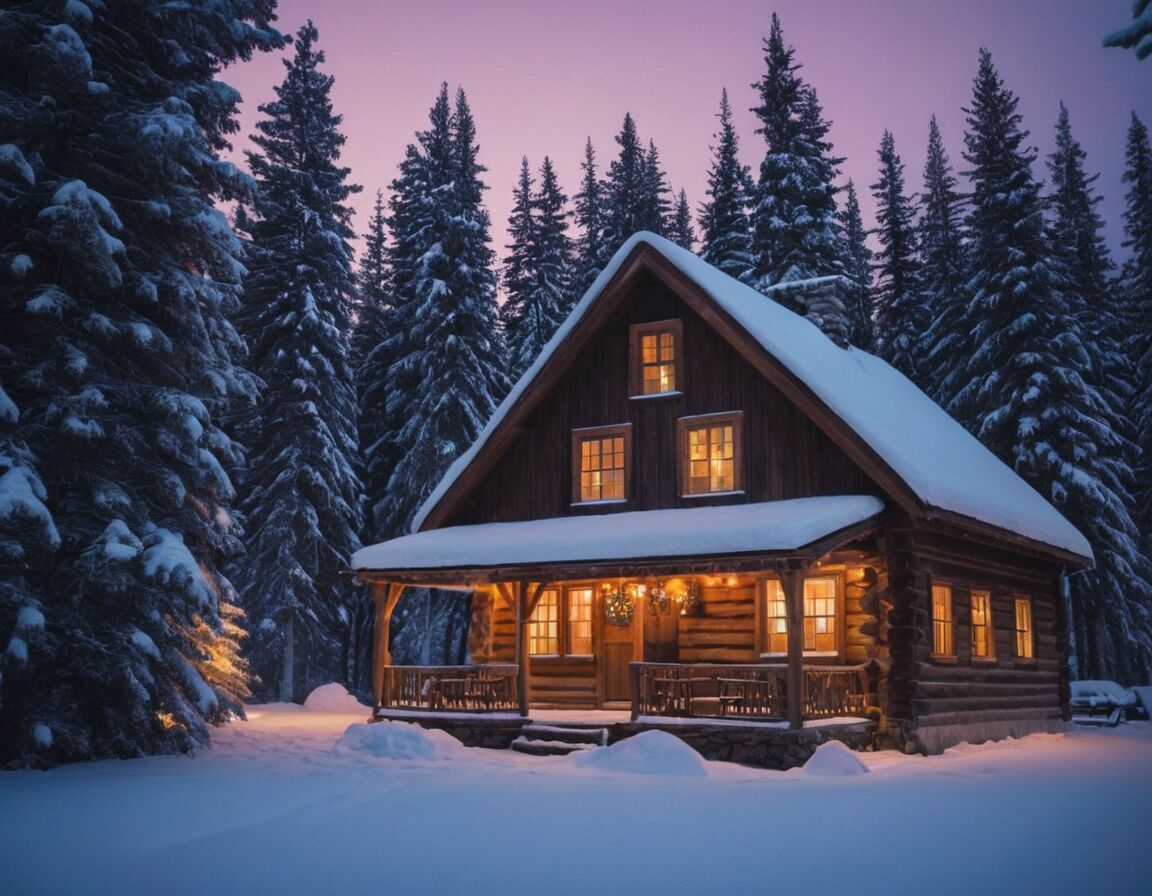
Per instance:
(616,655)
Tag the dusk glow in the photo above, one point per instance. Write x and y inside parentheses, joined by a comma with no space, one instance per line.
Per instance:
(541,77)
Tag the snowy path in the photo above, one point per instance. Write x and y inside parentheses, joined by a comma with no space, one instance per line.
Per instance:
(273,809)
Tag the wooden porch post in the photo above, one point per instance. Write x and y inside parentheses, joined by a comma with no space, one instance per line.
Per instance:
(385,595)
(523,614)
(792,583)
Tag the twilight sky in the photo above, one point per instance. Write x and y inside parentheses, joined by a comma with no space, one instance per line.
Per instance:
(541,76)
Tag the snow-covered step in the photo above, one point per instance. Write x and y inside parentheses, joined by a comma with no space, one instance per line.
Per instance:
(569,734)
(549,747)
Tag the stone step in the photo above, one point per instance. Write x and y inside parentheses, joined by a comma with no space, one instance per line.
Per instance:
(549,747)
(569,734)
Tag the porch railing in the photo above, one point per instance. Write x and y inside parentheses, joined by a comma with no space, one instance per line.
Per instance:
(481,688)
(710,690)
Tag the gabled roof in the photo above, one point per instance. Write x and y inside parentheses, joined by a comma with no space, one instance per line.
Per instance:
(914,449)
(775,527)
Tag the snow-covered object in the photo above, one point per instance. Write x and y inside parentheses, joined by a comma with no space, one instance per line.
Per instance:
(678,532)
(398,740)
(941,462)
(333,697)
(1101,693)
(834,759)
(647,753)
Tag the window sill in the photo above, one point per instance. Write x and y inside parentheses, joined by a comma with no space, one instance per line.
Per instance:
(651,395)
(813,654)
(550,659)
(606,502)
(942,659)
(984,660)
(729,494)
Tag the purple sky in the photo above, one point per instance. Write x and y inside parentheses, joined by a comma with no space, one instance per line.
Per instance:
(543,76)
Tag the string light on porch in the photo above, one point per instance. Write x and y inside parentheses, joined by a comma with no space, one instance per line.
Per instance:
(661,599)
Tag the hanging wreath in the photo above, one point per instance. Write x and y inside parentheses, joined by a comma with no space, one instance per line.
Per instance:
(619,605)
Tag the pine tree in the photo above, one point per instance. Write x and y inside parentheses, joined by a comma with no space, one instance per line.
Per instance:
(625,189)
(302,488)
(117,363)
(901,314)
(941,246)
(654,209)
(1136,290)
(373,296)
(680,231)
(724,217)
(858,271)
(517,270)
(795,235)
(1137,34)
(591,246)
(1029,391)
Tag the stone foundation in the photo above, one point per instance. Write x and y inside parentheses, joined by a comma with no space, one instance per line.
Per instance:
(471,730)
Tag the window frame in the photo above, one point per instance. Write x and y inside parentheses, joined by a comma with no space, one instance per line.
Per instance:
(685,426)
(636,332)
(590,433)
(989,626)
(950,622)
(763,638)
(1029,633)
(564,621)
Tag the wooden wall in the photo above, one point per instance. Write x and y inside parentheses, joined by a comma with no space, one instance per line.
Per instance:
(786,456)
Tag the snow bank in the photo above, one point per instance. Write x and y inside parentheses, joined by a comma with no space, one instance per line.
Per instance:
(333,697)
(398,740)
(834,759)
(1101,693)
(647,753)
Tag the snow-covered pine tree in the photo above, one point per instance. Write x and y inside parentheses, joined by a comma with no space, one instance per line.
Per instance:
(117,362)
(901,314)
(591,245)
(1137,34)
(516,273)
(941,245)
(447,375)
(858,271)
(373,296)
(724,217)
(624,189)
(680,230)
(795,235)
(302,492)
(1029,390)
(1136,289)
(546,302)
(654,208)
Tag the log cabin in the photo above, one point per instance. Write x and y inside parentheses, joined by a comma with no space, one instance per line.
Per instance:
(695,504)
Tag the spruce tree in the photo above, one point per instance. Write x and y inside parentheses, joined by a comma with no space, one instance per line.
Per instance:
(591,245)
(625,188)
(795,235)
(117,363)
(1136,290)
(654,209)
(858,272)
(517,269)
(901,314)
(940,240)
(1137,34)
(724,217)
(301,484)
(1029,390)
(680,230)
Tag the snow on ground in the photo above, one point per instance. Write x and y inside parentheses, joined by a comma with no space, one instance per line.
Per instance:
(293,802)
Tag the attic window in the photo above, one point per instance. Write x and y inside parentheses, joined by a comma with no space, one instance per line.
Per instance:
(601,463)
(657,362)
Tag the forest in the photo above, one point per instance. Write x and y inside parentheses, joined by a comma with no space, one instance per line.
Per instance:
(209,399)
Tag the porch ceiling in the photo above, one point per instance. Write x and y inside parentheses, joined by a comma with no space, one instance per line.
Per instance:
(690,539)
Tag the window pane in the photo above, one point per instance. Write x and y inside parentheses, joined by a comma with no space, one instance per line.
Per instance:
(602,468)
(580,621)
(543,627)
(1024,639)
(942,642)
(657,362)
(982,636)
(819,616)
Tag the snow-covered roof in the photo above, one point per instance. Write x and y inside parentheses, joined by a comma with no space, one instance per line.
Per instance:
(940,461)
(679,532)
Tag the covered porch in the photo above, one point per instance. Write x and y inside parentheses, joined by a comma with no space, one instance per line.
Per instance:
(681,614)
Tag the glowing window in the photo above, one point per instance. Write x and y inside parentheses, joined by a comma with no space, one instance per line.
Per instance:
(820,616)
(579,621)
(711,453)
(548,637)
(943,643)
(656,358)
(983,636)
(1025,641)
(601,463)
(544,626)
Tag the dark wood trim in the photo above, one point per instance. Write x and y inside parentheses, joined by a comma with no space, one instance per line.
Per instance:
(601,432)
(635,362)
(523,660)
(685,425)
(792,582)
(385,595)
